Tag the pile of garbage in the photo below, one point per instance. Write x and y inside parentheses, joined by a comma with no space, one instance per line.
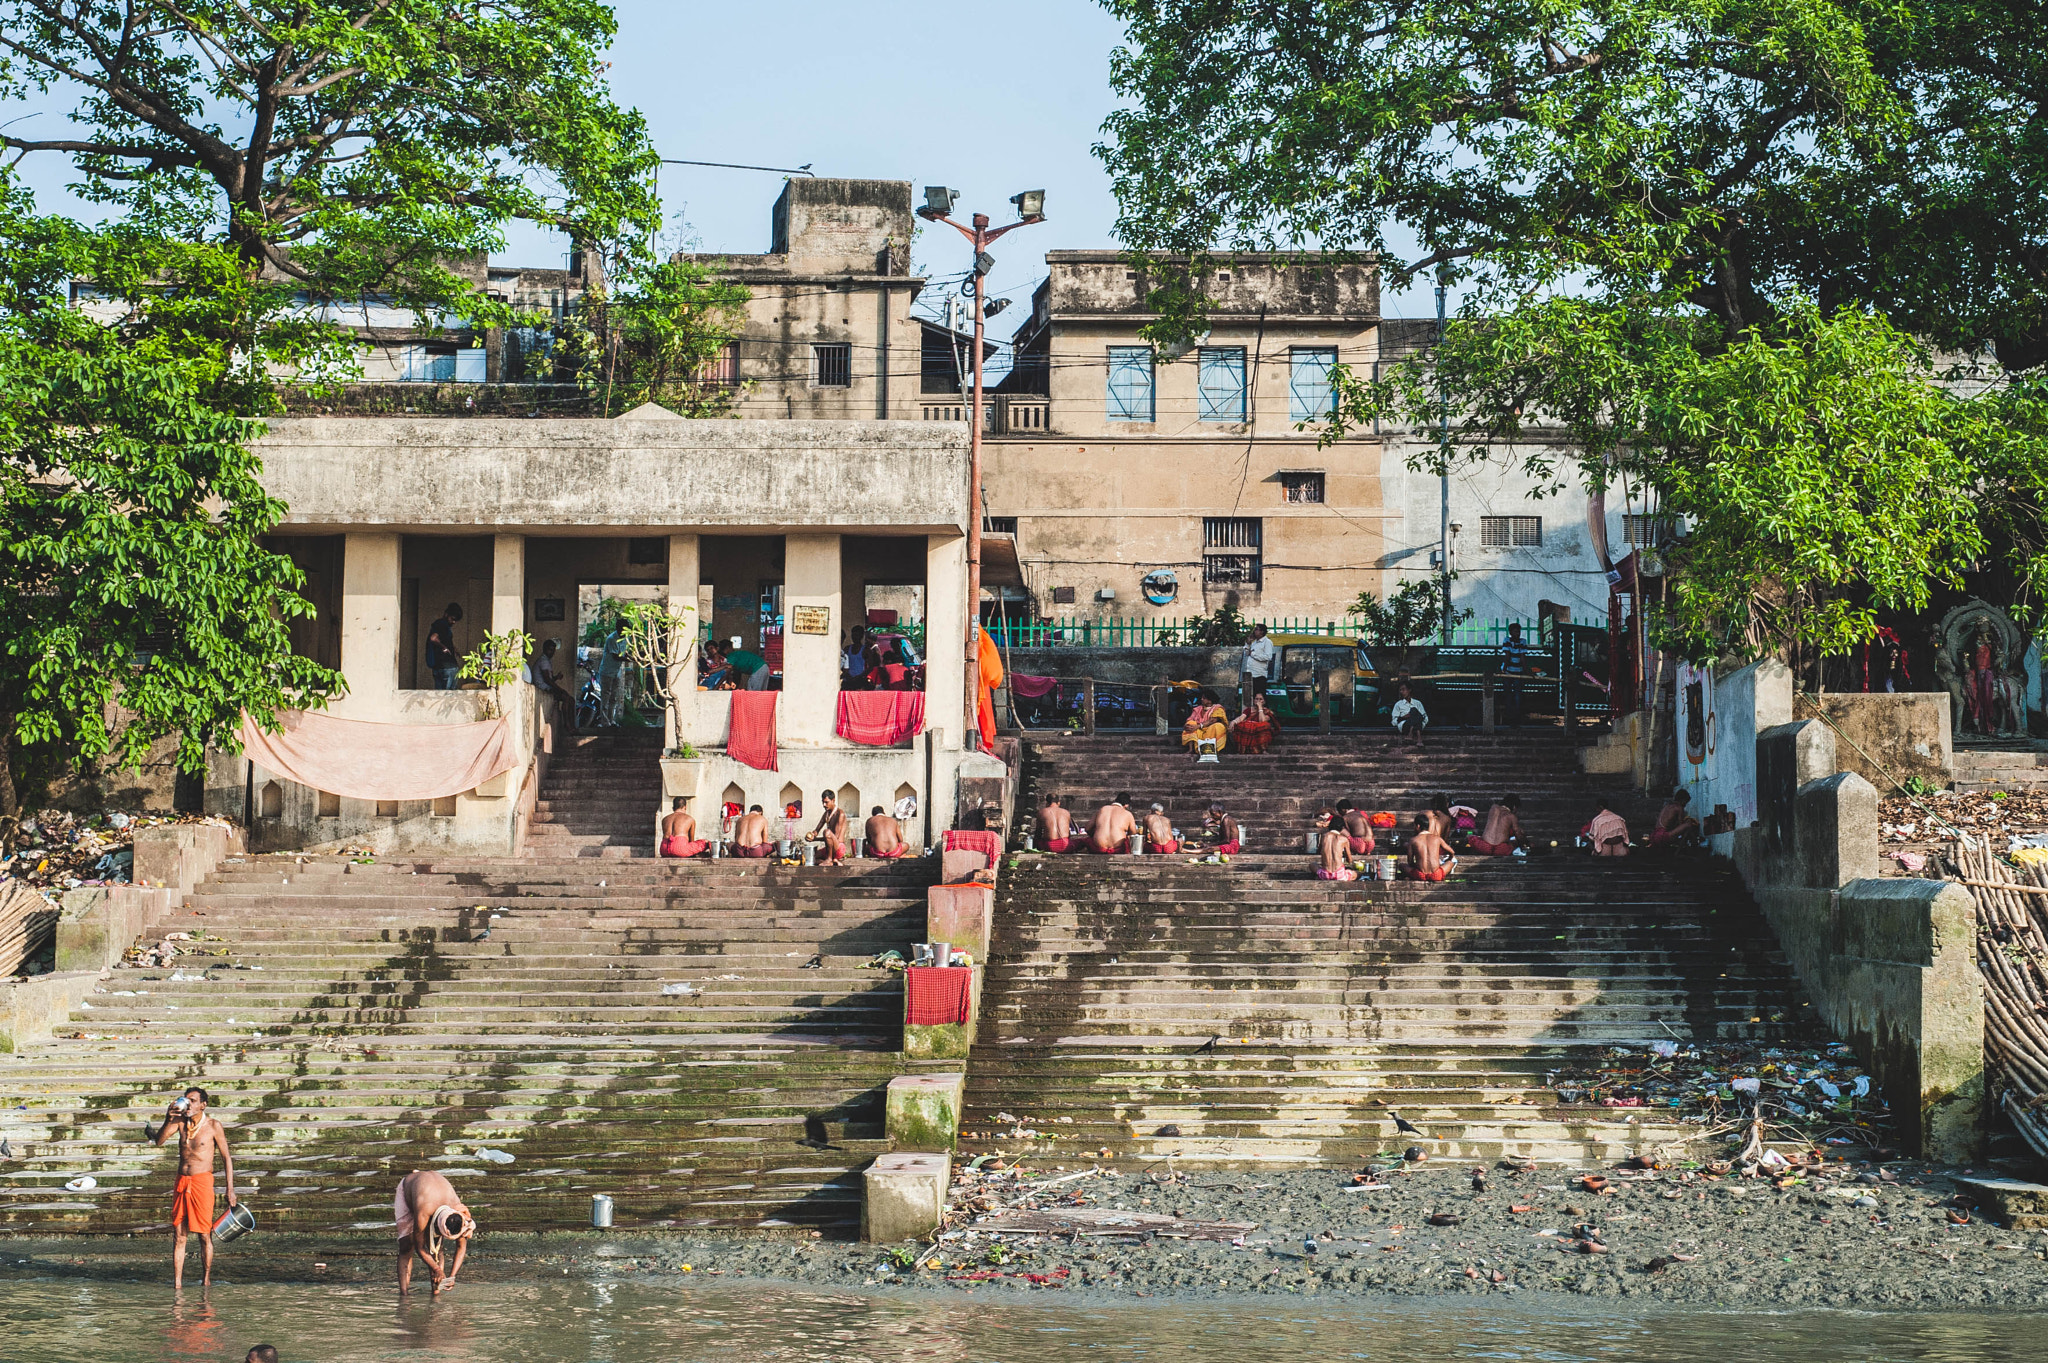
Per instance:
(1913,827)
(55,849)
(176,946)
(1816,1096)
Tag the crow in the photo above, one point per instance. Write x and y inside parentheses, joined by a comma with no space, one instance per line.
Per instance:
(1207,1046)
(1404,1126)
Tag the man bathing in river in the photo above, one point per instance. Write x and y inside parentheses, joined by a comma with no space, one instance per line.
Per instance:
(1159,839)
(199,1135)
(1111,831)
(750,836)
(1055,825)
(885,836)
(428,1214)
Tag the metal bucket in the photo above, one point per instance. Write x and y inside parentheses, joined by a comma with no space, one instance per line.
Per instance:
(1314,840)
(236,1222)
(601,1211)
(1138,844)
(1389,866)
(782,847)
(1028,843)
(810,854)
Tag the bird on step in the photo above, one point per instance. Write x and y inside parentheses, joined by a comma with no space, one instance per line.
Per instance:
(1404,1126)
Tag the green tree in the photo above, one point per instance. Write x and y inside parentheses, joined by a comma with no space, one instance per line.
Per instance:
(350,145)
(136,599)
(657,338)
(1412,613)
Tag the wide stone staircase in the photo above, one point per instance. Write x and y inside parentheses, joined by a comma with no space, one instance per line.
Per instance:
(600,797)
(701,1041)
(1249,1014)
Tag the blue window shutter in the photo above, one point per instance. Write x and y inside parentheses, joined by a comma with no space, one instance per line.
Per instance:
(1130,383)
(1221,384)
(1311,395)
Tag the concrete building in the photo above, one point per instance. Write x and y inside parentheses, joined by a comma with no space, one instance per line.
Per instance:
(1139,484)
(752,526)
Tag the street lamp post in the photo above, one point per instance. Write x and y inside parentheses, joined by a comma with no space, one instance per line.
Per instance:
(938,206)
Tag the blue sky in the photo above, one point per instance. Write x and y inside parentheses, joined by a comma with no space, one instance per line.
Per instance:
(988,99)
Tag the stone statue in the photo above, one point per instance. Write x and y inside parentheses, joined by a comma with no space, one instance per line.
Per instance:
(1976,657)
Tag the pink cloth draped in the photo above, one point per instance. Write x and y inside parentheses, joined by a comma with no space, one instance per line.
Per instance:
(1031,688)
(880,719)
(751,739)
(974,840)
(365,760)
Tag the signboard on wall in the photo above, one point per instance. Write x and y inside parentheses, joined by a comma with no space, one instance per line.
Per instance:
(810,619)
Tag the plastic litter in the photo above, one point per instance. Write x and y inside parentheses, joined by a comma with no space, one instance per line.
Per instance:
(490,1156)
(85,1183)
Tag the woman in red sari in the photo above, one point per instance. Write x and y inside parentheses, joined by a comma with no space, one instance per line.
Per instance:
(1254,730)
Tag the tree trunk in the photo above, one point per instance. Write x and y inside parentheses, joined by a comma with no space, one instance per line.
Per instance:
(10,801)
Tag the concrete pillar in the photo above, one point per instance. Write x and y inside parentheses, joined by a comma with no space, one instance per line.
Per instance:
(921,1112)
(945,633)
(811,581)
(508,583)
(684,578)
(369,625)
(904,1196)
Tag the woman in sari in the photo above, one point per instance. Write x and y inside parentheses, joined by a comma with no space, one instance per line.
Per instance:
(1206,721)
(1254,730)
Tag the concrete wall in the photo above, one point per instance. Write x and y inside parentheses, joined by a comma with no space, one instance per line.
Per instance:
(1888,738)
(644,476)
(1747,700)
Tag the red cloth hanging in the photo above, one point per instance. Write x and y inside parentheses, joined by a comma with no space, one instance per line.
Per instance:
(879,719)
(751,740)
(937,996)
(979,840)
(1031,688)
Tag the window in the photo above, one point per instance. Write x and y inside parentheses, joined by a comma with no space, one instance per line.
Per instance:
(1648,531)
(1230,550)
(425,364)
(1130,383)
(1063,596)
(1301,487)
(1511,532)
(723,369)
(832,366)
(998,525)
(1221,383)
(938,363)
(1311,394)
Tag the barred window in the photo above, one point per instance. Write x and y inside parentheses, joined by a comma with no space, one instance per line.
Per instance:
(1301,487)
(1231,550)
(832,365)
(1511,532)
(1648,531)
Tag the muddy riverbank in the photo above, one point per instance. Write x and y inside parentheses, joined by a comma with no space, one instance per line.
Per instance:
(1894,1237)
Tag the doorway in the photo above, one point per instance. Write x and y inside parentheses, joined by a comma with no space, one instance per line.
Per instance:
(611,691)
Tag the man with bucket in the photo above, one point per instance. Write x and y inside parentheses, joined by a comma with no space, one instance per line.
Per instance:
(199,1135)
(429,1214)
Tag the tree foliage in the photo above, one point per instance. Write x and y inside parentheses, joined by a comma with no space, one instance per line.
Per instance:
(351,145)
(1410,614)
(657,339)
(136,601)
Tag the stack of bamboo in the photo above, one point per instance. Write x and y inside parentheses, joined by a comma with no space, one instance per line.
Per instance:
(27,924)
(2012,954)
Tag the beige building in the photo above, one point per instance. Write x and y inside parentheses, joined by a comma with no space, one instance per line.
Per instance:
(1141,484)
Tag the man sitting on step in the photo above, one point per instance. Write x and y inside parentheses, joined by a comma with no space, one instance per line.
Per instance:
(1607,834)
(1111,831)
(1675,826)
(1503,828)
(1055,825)
(1357,826)
(1336,854)
(831,830)
(751,838)
(1429,856)
(1159,839)
(679,832)
(1220,826)
(428,1214)
(885,837)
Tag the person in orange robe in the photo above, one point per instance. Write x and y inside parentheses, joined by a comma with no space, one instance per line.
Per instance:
(990,660)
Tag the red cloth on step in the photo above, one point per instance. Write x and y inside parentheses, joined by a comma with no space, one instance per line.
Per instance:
(752,737)
(879,719)
(974,840)
(936,996)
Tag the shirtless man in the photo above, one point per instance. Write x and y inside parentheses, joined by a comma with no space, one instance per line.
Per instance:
(679,832)
(1055,825)
(1675,826)
(1503,828)
(199,1135)
(1357,827)
(1111,831)
(1428,856)
(885,836)
(750,836)
(1335,862)
(1159,839)
(1224,829)
(831,830)
(427,1212)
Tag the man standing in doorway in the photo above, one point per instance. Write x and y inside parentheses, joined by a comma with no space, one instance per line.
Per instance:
(1257,668)
(199,1135)
(443,659)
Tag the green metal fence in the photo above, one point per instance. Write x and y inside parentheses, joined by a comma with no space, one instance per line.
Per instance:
(1171,631)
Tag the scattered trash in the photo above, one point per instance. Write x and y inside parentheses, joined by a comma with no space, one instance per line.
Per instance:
(83,1184)
(674,989)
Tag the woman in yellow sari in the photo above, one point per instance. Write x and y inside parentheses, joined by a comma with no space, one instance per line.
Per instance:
(1207,721)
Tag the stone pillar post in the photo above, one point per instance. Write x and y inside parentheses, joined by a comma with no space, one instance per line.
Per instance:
(685,574)
(508,583)
(369,625)
(945,636)
(810,662)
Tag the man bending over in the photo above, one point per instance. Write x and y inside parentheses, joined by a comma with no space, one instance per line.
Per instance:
(1503,828)
(1055,825)
(750,836)
(1675,826)
(428,1215)
(885,837)
(1111,831)
(1357,827)
(1607,834)
(1220,826)
(1429,857)
(1159,839)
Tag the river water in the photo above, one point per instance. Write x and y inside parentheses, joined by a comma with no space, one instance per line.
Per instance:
(679,1321)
